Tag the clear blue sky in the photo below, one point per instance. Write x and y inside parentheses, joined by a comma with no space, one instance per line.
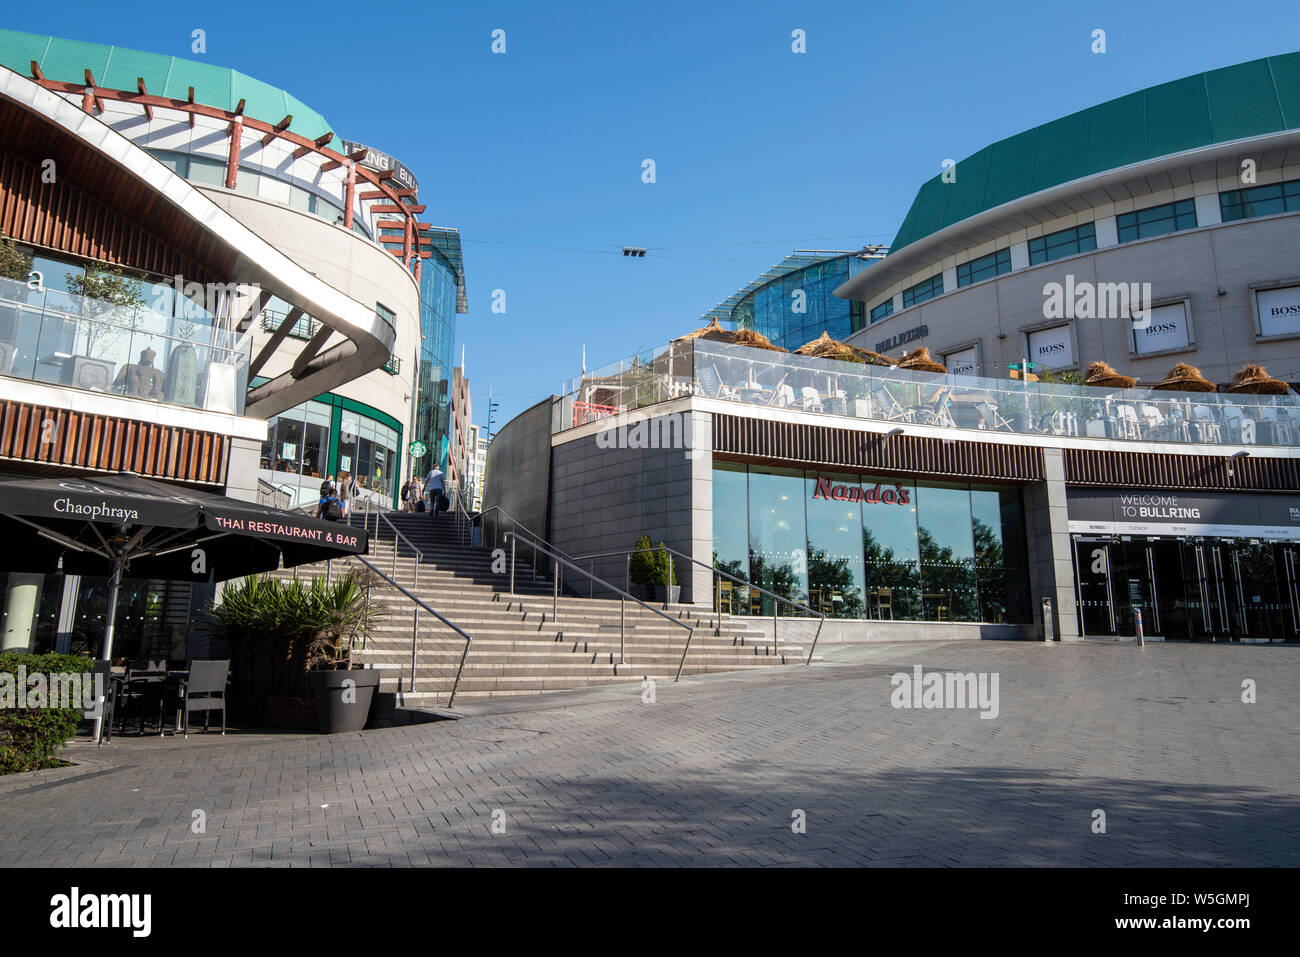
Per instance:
(536,154)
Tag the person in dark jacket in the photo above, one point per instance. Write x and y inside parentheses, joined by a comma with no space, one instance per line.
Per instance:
(331,509)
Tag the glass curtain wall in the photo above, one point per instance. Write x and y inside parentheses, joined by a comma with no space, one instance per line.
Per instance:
(862,546)
(432,416)
(798,307)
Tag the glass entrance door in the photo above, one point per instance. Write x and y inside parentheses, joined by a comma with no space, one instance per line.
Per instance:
(1287,562)
(1093,583)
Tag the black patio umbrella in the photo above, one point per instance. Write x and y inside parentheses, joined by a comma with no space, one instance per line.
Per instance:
(114,525)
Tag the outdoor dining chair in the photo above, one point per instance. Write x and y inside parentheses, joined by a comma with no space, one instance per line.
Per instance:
(993,419)
(204,689)
(1207,430)
(887,407)
(142,692)
(811,399)
(937,412)
(1127,425)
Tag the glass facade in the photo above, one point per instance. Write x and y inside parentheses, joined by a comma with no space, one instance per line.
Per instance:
(862,546)
(432,409)
(1066,242)
(986,267)
(923,290)
(1260,200)
(1156,220)
(799,306)
(883,310)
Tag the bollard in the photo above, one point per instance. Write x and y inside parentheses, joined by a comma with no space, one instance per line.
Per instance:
(1137,624)
(1048,632)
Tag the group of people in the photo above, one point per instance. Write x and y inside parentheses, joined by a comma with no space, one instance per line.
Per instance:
(336,498)
(416,495)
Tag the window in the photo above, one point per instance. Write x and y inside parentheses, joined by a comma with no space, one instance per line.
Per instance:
(986,267)
(386,314)
(1156,220)
(923,290)
(1260,201)
(207,172)
(1067,242)
(886,308)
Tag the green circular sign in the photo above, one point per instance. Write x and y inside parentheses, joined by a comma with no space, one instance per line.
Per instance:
(417,449)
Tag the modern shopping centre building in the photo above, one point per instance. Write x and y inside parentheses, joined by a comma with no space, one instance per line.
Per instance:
(203,285)
(962,503)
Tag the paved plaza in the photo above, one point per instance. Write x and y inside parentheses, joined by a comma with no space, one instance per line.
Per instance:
(715,771)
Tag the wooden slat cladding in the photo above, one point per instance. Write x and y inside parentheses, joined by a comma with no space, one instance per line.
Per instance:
(55,436)
(797,444)
(1150,470)
(94,208)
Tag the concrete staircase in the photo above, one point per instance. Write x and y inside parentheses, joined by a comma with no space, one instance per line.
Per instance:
(520,647)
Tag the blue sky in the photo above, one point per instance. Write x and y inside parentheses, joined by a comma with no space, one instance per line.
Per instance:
(536,154)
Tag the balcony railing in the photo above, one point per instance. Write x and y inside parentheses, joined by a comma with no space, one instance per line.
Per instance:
(769,380)
(79,342)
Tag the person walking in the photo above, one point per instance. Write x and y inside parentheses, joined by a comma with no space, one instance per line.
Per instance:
(330,508)
(433,489)
(347,491)
(414,493)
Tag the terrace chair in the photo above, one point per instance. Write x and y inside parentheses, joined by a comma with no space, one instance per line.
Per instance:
(1278,427)
(1155,423)
(993,419)
(937,412)
(1208,430)
(1127,425)
(142,691)
(887,407)
(783,396)
(811,399)
(204,690)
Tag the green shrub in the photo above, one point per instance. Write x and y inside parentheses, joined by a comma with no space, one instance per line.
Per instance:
(666,572)
(30,738)
(644,562)
(279,630)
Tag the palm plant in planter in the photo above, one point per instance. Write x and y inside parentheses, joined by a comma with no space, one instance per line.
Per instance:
(289,639)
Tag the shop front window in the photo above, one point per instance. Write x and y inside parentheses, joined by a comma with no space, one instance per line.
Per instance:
(731,536)
(944,536)
(889,549)
(778,558)
(835,579)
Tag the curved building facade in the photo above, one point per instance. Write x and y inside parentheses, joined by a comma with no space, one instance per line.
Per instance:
(1155,228)
(794,301)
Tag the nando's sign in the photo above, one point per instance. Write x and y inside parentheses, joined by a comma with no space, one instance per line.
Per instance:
(856,493)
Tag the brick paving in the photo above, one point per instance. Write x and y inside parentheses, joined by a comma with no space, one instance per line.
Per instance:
(711,773)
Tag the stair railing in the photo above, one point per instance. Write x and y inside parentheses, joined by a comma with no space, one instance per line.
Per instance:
(417,556)
(558,560)
(717,575)
(415,631)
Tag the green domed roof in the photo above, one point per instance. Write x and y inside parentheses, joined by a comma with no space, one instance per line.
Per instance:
(116,68)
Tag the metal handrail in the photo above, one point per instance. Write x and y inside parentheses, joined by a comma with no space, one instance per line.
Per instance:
(622,595)
(717,604)
(418,557)
(415,630)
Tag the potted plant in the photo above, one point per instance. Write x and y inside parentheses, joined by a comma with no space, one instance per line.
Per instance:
(666,588)
(343,693)
(642,568)
(110,303)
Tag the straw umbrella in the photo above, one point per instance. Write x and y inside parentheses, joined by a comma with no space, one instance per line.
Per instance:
(824,347)
(918,360)
(1185,378)
(1255,380)
(1102,375)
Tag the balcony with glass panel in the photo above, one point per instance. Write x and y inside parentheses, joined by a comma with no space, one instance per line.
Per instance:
(772,382)
(151,350)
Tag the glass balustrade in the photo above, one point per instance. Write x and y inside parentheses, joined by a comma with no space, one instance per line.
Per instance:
(69,340)
(766,379)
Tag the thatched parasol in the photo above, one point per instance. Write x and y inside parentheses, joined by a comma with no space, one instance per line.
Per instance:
(1185,378)
(918,360)
(741,337)
(1255,380)
(1101,374)
(824,347)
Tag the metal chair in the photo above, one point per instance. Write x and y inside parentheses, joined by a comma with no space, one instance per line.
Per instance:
(811,399)
(204,690)
(1126,423)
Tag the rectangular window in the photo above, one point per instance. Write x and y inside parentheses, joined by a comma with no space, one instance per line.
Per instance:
(1156,220)
(986,267)
(886,308)
(207,171)
(1260,200)
(1067,242)
(923,290)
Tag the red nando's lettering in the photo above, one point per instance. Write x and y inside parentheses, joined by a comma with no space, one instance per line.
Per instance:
(852,493)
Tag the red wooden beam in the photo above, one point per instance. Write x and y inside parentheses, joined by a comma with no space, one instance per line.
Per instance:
(36,72)
(277,129)
(232,160)
(139,85)
(350,195)
(378,194)
(191,102)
